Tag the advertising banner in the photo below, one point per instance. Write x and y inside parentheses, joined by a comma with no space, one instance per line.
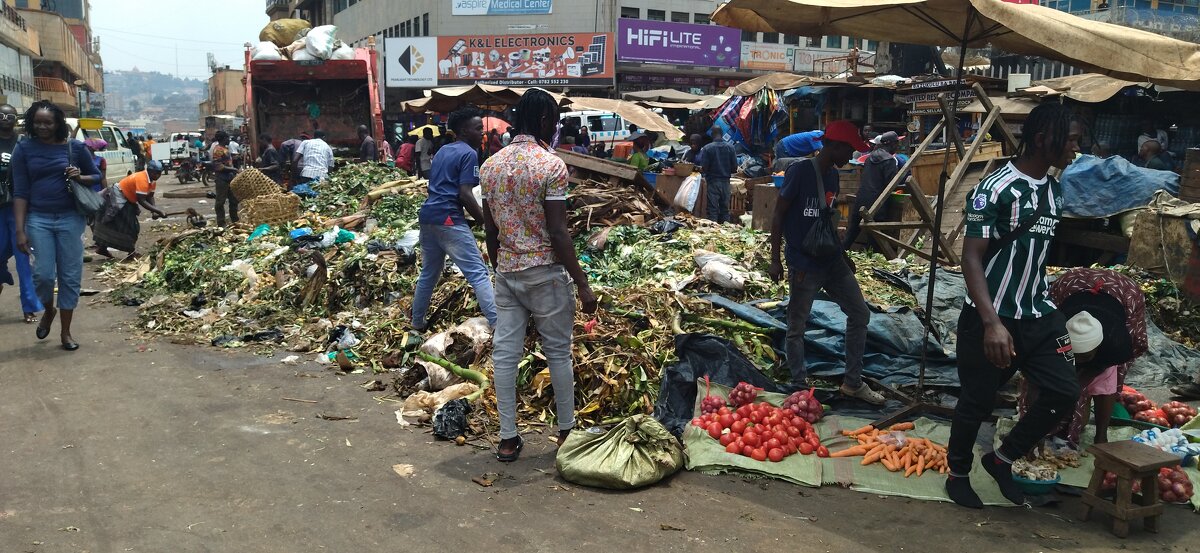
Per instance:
(565,59)
(501,7)
(767,57)
(804,60)
(410,62)
(677,43)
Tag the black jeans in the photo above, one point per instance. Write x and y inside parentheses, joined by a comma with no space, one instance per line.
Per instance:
(839,283)
(718,199)
(1043,356)
(224,194)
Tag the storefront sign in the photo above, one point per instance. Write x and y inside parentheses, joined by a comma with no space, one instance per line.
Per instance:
(931,96)
(501,7)
(821,60)
(767,57)
(677,43)
(667,81)
(410,62)
(568,59)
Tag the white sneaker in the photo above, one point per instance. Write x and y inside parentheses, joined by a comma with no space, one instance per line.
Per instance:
(865,393)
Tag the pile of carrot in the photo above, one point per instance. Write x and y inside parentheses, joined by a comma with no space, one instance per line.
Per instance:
(916,456)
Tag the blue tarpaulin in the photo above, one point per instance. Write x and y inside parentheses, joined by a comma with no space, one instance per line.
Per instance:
(1095,187)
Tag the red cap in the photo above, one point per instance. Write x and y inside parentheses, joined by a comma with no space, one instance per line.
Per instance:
(845,131)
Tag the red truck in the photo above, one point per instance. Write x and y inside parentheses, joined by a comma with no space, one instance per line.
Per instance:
(285,98)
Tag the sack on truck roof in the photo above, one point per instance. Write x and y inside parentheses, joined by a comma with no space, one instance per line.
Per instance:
(283,32)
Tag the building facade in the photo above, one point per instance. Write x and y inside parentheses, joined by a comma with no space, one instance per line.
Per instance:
(226,94)
(18,43)
(67,69)
(628,23)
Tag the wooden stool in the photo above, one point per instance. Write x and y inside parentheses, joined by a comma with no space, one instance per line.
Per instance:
(1130,461)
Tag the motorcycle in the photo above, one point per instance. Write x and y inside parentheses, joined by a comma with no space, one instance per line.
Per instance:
(187,172)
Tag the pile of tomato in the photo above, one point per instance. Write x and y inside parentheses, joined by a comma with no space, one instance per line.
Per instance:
(761,432)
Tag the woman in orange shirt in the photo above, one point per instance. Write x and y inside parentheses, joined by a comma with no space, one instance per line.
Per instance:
(117,226)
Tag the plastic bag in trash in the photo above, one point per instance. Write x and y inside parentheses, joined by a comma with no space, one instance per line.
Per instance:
(703,257)
(637,452)
(297,233)
(724,275)
(450,420)
(343,337)
(258,232)
(666,226)
(304,191)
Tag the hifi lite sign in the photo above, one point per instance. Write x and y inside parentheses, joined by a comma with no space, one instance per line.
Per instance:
(677,43)
(501,7)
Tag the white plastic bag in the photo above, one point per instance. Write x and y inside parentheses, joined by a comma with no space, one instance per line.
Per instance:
(342,52)
(689,191)
(704,257)
(723,275)
(302,55)
(320,42)
(265,51)
(247,270)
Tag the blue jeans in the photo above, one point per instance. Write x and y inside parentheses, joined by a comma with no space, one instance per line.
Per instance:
(8,248)
(57,242)
(456,241)
(548,294)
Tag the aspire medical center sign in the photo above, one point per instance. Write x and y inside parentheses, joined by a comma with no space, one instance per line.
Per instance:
(501,7)
(639,40)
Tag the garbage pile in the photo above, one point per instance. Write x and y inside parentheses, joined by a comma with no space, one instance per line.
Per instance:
(298,40)
(335,285)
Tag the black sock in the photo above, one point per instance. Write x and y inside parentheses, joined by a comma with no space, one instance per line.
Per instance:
(960,491)
(1001,472)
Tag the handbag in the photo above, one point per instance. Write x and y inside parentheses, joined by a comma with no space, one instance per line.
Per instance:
(87,202)
(821,240)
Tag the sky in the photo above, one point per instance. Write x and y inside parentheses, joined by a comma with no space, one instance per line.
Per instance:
(146,33)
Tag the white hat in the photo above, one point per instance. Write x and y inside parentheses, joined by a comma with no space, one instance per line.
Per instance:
(1086,332)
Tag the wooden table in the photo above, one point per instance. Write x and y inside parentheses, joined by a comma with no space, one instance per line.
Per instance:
(1131,461)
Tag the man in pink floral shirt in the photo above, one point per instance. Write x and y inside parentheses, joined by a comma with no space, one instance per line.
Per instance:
(525,216)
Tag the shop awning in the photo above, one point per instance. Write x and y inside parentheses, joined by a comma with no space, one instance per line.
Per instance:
(1113,50)
(663,96)
(631,113)
(1089,87)
(1008,106)
(773,81)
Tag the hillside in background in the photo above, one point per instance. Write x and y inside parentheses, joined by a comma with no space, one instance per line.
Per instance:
(137,94)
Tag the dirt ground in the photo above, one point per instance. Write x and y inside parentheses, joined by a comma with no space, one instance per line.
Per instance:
(141,445)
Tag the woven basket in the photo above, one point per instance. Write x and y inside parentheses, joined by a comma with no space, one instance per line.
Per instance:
(270,209)
(251,183)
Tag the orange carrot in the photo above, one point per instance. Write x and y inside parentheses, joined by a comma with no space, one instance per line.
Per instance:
(920,465)
(850,452)
(902,426)
(887,464)
(858,431)
(872,457)
(910,470)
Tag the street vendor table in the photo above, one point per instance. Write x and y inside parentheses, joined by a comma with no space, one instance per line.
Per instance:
(1131,461)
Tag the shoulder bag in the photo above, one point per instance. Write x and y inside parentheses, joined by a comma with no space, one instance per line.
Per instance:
(87,202)
(822,239)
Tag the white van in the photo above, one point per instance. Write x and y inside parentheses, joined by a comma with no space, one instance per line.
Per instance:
(118,155)
(602,126)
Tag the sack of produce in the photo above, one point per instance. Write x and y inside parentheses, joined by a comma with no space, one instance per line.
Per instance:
(688,192)
(342,52)
(283,32)
(289,51)
(252,183)
(320,41)
(637,452)
(265,50)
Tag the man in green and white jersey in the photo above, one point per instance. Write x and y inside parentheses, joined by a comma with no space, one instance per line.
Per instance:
(1009,322)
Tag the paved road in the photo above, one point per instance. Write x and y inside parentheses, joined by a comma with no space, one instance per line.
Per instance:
(146,446)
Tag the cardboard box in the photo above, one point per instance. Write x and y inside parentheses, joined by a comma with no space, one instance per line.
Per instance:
(763,211)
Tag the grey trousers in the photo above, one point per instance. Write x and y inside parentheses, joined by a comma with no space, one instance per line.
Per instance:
(718,199)
(839,283)
(548,294)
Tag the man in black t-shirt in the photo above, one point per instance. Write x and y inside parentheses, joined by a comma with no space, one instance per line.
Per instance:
(269,163)
(135,147)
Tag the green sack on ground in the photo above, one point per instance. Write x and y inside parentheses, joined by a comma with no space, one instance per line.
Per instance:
(638,452)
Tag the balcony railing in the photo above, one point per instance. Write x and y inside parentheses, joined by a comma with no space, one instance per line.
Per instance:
(51,84)
(277,4)
(11,14)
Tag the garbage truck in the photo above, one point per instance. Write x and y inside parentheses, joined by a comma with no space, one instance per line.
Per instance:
(285,98)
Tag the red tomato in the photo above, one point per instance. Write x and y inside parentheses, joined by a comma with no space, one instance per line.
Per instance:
(793,432)
(780,434)
(714,430)
(723,411)
(738,426)
(725,419)
(747,450)
(822,451)
(756,416)
(758,455)
(698,422)
(736,417)
(806,448)
(772,444)
(733,448)
(726,439)
(751,438)
(790,449)
(775,455)
(814,441)
(744,411)
(798,422)
(775,420)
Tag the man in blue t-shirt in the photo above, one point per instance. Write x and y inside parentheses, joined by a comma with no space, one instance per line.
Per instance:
(798,209)
(453,175)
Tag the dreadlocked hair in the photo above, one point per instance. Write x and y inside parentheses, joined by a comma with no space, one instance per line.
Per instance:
(528,113)
(461,117)
(1053,121)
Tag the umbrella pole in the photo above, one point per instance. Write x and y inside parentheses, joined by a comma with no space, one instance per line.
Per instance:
(917,405)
